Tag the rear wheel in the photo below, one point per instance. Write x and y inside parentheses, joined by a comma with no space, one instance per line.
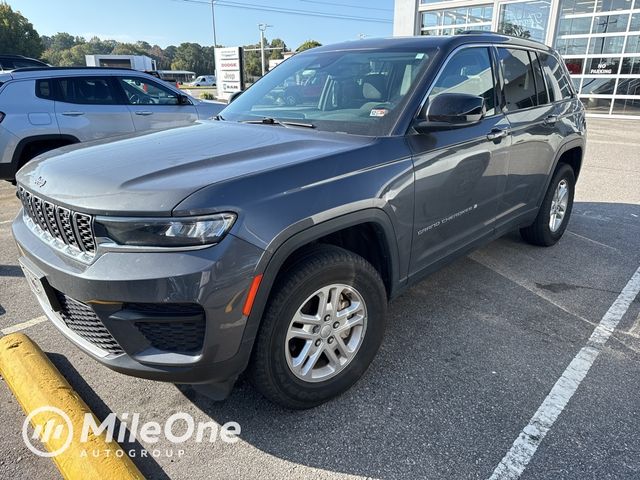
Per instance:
(321,330)
(553,217)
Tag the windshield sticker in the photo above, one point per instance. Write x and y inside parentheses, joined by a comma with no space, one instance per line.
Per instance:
(378,112)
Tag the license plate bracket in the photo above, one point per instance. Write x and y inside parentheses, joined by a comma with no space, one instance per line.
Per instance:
(40,286)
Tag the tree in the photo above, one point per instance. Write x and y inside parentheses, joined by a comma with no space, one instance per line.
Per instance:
(193,57)
(277,54)
(17,34)
(307,45)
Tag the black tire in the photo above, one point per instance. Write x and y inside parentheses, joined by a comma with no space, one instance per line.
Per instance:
(539,232)
(321,266)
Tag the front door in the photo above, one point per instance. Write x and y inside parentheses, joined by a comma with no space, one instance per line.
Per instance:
(89,108)
(459,172)
(154,106)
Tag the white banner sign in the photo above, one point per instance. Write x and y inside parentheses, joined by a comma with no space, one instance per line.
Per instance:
(228,71)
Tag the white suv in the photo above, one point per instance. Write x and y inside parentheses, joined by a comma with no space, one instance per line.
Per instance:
(46,108)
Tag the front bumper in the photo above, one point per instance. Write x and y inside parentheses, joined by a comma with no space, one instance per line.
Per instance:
(146,300)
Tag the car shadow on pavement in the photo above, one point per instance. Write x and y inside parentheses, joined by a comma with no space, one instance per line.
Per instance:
(147,465)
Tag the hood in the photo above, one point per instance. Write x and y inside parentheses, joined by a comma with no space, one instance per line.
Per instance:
(150,174)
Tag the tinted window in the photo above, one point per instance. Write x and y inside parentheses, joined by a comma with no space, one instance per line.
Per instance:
(537,75)
(141,91)
(468,71)
(520,86)
(87,90)
(557,81)
(44,89)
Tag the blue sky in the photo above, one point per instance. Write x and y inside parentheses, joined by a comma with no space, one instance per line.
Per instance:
(167,22)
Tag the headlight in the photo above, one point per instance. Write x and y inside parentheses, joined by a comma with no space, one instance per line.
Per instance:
(165,232)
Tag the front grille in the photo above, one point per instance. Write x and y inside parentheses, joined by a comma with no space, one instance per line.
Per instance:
(74,229)
(82,320)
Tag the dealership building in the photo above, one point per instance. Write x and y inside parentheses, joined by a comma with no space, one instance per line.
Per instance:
(599,39)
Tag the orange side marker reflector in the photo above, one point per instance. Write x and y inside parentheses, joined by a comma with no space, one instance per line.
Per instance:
(253,291)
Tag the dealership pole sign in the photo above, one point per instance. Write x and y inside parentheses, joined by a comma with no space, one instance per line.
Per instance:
(229,71)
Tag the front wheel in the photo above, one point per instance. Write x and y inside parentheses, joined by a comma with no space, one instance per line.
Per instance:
(321,330)
(554,213)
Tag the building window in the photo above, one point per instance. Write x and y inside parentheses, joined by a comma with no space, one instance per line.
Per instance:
(525,19)
(610,23)
(571,7)
(598,86)
(613,5)
(456,20)
(628,106)
(606,45)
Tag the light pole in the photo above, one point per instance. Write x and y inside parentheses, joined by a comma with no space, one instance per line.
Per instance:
(213,22)
(262,27)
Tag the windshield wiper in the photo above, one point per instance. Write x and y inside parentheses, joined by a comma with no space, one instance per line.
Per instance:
(275,121)
(219,118)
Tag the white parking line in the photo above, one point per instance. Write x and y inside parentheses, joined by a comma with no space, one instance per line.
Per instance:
(5,222)
(593,241)
(525,446)
(24,325)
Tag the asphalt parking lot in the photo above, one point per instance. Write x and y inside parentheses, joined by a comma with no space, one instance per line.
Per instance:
(469,356)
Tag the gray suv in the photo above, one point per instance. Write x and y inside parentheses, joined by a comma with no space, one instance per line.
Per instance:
(45,108)
(272,239)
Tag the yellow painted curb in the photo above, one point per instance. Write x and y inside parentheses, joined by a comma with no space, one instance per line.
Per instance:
(36,383)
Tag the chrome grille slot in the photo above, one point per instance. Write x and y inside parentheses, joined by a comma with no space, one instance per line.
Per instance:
(73,229)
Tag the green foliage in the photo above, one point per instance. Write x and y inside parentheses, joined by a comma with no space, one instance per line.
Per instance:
(17,35)
(195,58)
(307,45)
(207,96)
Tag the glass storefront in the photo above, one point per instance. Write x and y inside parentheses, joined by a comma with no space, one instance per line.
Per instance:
(602,52)
(599,40)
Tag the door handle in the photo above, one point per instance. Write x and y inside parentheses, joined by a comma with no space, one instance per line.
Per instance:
(551,120)
(143,113)
(72,114)
(497,134)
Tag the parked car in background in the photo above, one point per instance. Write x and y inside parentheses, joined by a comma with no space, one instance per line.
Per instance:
(272,239)
(46,108)
(12,62)
(203,81)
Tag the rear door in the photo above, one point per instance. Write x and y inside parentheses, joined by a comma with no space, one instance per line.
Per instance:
(533,119)
(459,172)
(90,108)
(154,106)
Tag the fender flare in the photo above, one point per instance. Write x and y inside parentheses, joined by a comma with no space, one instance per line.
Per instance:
(565,147)
(270,265)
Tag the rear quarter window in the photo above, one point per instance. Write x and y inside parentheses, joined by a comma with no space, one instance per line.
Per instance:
(44,89)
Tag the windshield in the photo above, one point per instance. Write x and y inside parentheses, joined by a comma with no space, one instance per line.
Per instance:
(357,92)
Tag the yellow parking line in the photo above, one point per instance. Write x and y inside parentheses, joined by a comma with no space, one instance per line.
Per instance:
(57,414)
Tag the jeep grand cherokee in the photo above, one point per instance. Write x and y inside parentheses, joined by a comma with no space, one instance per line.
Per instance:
(272,238)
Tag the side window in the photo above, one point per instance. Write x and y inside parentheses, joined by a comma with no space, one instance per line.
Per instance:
(142,91)
(519,83)
(559,86)
(44,89)
(541,90)
(87,91)
(468,71)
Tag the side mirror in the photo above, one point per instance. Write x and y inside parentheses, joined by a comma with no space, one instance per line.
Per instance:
(183,100)
(235,95)
(449,110)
